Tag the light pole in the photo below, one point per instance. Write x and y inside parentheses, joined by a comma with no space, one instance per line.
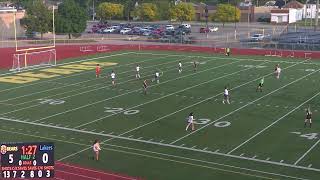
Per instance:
(235,19)
(206,15)
(93,13)
(317,16)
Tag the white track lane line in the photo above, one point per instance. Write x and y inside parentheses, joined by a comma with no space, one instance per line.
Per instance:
(153,152)
(155,143)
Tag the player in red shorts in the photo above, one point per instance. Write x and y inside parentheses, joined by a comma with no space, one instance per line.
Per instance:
(98,70)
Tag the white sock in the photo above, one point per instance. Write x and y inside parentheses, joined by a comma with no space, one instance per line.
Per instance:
(188,126)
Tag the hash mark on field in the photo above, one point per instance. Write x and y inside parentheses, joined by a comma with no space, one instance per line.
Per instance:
(205,148)
(309,165)
(83,129)
(111,133)
(296,132)
(102,132)
(93,130)
(242,154)
(66,126)
(281,161)
(130,136)
(161,141)
(268,159)
(254,156)
(217,150)
(140,137)
(150,139)
(182,145)
(193,147)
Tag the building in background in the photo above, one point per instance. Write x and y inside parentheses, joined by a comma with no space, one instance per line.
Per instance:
(289,13)
(310,10)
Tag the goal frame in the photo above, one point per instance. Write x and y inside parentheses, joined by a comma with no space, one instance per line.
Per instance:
(17,61)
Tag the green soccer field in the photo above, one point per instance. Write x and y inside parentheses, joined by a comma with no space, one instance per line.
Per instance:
(260,135)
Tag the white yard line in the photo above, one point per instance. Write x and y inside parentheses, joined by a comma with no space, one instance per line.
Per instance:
(63,77)
(235,58)
(81,82)
(154,143)
(72,62)
(266,128)
(162,97)
(156,153)
(104,100)
(83,92)
(238,109)
(186,108)
(307,152)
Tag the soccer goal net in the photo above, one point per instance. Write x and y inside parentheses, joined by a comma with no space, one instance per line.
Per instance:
(31,60)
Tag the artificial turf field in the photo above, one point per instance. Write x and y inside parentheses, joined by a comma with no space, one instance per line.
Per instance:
(260,135)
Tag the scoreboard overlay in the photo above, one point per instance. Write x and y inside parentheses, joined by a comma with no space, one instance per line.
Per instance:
(27,160)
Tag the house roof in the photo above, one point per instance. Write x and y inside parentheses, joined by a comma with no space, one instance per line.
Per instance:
(281,11)
(293,4)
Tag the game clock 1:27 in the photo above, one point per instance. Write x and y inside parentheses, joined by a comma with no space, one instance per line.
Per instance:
(27,160)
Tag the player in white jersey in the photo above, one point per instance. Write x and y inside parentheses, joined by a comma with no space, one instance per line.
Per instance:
(277,71)
(190,122)
(180,67)
(226,95)
(157,77)
(113,78)
(96,149)
(138,72)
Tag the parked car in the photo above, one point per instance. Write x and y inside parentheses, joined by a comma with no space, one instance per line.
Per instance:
(213,29)
(257,37)
(186,25)
(147,33)
(204,30)
(209,29)
(169,27)
(109,30)
(125,31)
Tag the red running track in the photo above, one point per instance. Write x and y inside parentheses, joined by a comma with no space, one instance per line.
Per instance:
(64,171)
